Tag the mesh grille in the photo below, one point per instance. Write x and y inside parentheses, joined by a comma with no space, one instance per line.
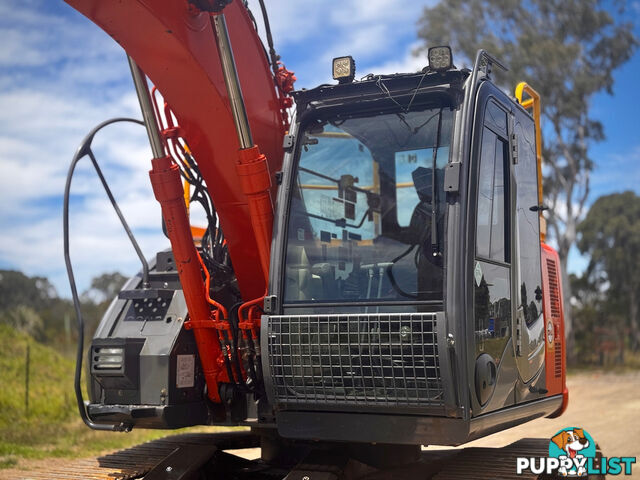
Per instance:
(368,359)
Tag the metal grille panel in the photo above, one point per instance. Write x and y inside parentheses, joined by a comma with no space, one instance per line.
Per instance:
(364,360)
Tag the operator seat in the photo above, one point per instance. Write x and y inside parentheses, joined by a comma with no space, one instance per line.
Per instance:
(420,223)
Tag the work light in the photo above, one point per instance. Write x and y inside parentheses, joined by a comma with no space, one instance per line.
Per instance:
(440,58)
(344,69)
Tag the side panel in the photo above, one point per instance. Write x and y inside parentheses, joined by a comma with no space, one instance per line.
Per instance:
(555,353)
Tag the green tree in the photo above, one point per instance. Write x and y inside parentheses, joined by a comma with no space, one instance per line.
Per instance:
(18,289)
(23,319)
(610,235)
(568,51)
(32,305)
(105,287)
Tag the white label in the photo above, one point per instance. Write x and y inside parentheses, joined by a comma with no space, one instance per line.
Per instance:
(185,369)
(301,234)
(477,273)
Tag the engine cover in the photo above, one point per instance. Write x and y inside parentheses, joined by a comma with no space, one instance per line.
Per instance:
(145,368)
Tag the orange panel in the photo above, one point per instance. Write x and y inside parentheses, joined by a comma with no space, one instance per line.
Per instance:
(555,347)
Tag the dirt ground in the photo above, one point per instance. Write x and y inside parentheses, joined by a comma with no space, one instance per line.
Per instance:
(607,405)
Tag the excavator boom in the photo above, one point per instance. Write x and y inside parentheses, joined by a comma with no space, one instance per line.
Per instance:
(174,44)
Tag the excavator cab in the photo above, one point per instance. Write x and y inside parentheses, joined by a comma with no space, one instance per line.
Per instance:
(406,292)
(410,298)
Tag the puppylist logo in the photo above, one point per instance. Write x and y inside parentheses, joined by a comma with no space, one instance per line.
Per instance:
(572,452)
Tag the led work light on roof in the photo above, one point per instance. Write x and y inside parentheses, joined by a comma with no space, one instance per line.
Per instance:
(440,59)
(344,69)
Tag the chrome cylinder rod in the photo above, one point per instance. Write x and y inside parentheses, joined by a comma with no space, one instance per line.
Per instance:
(231,81)
(148,115)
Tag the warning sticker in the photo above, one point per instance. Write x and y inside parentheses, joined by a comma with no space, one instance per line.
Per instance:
(477,273)
(185,371)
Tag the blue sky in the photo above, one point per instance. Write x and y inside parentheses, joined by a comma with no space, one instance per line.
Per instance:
(60,75)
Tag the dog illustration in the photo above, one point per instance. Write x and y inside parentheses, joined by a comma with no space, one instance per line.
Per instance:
(571,442)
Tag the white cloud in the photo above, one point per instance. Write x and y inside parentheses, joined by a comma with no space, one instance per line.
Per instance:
(407,63)
(374,32)
(60,75)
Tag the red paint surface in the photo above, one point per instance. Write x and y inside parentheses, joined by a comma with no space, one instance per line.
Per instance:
(167,188)
(555,352)
(176,48)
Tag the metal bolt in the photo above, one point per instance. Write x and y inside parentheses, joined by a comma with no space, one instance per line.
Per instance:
(405,332)
(165,285)
(450,341)
(306,478)
(168,469)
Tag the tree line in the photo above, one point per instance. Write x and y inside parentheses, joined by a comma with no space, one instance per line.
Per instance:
(568,50)
(32,305)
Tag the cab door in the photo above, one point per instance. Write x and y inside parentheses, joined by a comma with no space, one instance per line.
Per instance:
(493,375)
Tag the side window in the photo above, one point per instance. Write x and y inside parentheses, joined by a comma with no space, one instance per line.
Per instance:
(492,221)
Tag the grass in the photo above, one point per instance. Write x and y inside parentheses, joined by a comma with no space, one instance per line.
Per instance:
(631,364)
(50,381)
(51,427)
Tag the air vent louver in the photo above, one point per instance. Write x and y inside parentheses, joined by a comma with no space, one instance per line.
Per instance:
(554,290)
(557,370)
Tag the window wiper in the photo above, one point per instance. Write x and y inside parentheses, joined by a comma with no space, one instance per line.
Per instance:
(434,193)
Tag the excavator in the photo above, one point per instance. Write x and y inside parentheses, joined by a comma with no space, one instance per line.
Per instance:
(372,276)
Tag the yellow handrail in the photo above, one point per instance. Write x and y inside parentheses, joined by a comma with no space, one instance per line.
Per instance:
(187,196)
(196,232)
(533,103)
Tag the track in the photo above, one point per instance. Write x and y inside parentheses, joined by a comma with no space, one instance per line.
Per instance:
(615,429)
(136,462)
(493,463)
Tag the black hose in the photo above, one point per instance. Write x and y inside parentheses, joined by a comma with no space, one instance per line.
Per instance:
(392,279)
(114,204)
(84,150)
(272,51)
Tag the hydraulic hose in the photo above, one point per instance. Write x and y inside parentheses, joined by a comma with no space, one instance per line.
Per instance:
(85,150)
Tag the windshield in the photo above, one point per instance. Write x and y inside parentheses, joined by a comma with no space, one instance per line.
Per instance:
(366,214)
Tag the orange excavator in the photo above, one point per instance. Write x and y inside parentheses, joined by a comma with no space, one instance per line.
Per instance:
(372,275)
